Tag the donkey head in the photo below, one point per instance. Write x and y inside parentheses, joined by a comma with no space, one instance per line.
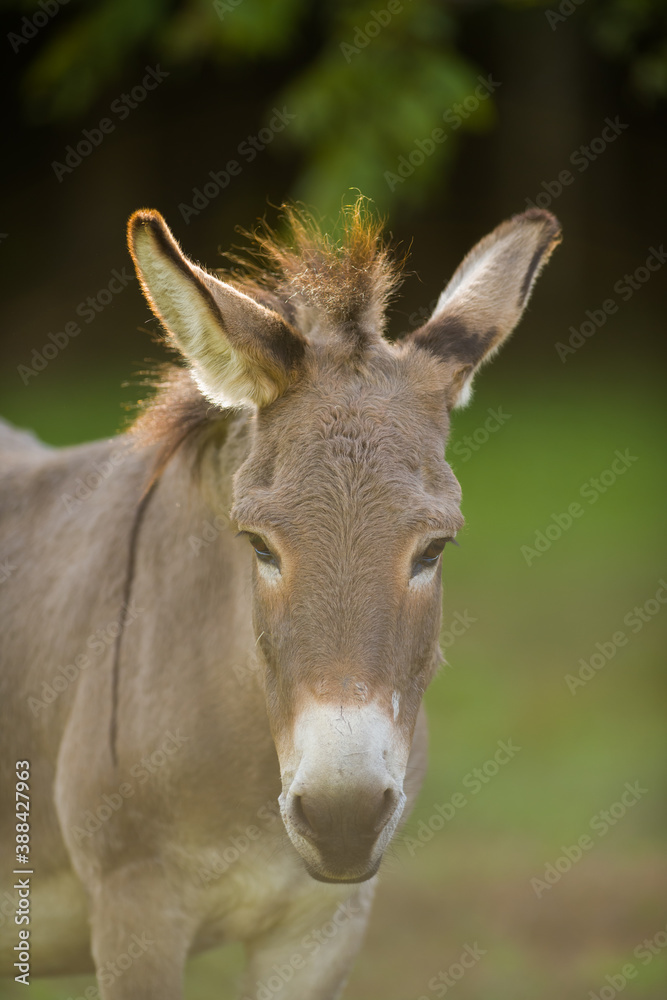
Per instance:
(345,497)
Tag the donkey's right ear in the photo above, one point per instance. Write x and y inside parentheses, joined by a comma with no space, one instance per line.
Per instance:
(240,352)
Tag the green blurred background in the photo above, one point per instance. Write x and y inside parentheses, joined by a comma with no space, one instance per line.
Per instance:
(362,99)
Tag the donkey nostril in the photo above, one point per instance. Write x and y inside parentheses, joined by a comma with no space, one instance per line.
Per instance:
(297,810)
(303,818)
(387,808)
(361,815)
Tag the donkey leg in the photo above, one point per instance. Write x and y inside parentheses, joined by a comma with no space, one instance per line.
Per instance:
(309,956)
(140,935)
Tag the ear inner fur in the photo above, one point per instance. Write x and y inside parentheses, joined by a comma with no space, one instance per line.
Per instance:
(246,339)
(484,300)
(239,350)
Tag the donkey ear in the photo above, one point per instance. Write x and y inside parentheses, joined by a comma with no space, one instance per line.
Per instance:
(240,352)
(486,298)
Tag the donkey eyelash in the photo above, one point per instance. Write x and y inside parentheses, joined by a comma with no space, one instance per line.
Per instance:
(442,537)
(263,550)
(430,555)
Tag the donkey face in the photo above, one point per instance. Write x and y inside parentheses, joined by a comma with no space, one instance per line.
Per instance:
(348,503)
(346,499)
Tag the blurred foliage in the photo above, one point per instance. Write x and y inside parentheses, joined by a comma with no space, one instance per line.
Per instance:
(367,82)
(635,31)
(377,81)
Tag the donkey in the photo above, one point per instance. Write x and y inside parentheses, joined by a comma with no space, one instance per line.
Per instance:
(219,626)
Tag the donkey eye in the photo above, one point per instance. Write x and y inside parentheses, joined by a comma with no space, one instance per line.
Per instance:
(262,550)
(430,555)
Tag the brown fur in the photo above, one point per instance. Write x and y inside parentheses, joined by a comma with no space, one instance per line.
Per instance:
(348,281)
(298,681)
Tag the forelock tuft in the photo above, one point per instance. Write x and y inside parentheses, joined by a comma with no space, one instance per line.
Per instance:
(341,284)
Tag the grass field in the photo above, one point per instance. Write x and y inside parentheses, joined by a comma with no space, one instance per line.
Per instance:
(466,880)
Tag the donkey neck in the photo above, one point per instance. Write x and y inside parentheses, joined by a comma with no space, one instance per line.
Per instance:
(196,644)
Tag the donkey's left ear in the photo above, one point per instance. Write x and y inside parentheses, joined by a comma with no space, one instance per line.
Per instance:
(485,299)
(239,351)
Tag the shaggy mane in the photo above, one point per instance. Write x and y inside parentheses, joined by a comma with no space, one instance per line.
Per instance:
(175,414)
(346,281)
(312,279)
